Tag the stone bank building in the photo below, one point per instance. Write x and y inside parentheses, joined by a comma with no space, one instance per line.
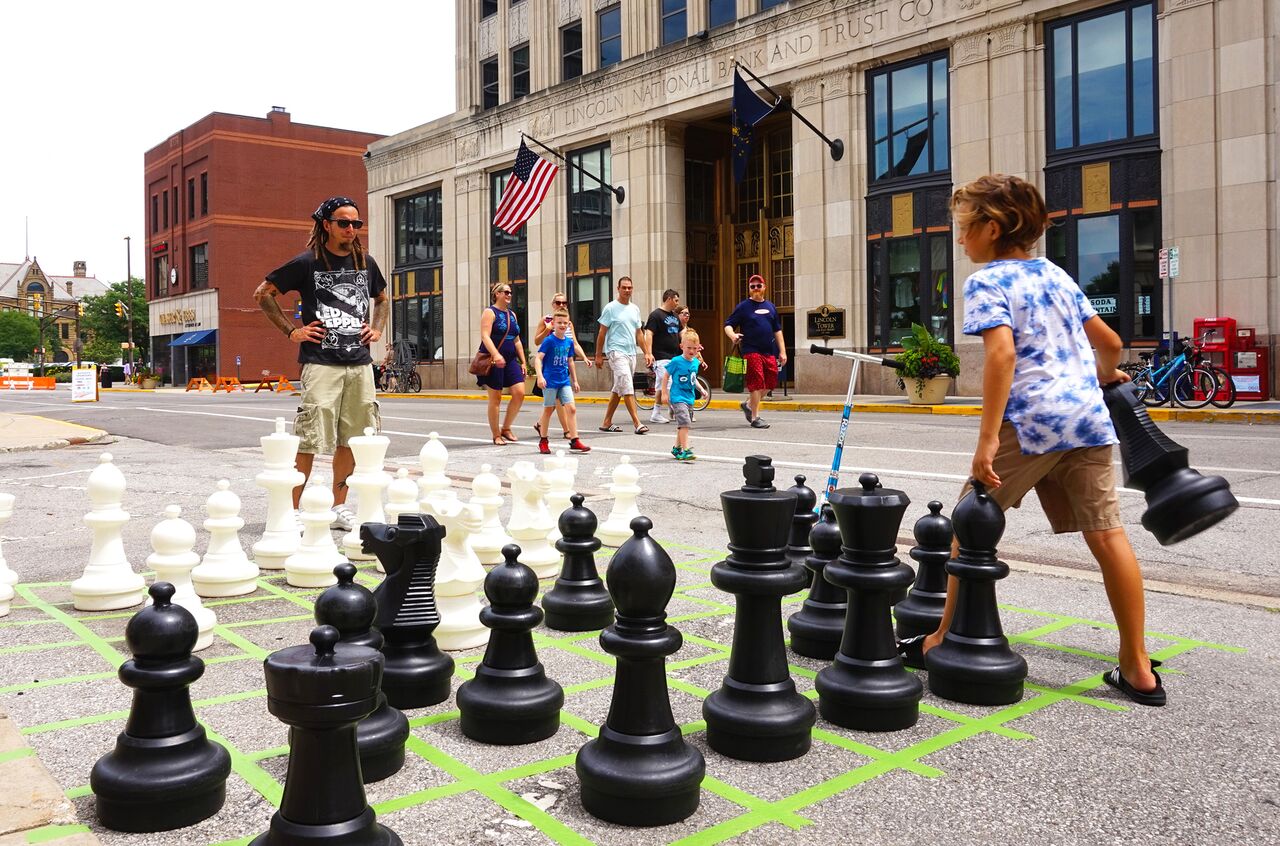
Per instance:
(1146,123)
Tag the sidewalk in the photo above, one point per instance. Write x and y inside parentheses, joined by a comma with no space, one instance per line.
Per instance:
(22,432)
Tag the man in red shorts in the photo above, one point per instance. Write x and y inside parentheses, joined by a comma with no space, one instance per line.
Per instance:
(755,324)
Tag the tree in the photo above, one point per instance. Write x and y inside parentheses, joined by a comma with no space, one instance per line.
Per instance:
(19,335)
(108,330)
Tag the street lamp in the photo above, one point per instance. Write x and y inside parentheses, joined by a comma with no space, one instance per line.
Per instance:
(128,289)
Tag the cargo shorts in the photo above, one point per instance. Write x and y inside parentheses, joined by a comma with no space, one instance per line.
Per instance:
(338,403)
(1076,487)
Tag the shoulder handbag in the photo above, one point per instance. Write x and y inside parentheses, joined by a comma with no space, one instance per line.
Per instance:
(735,371)
(482,362)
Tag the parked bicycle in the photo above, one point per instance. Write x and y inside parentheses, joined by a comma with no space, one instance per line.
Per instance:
(1185,379)
(401,375)
(647,391)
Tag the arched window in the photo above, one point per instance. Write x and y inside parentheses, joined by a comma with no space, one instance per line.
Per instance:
(35,288)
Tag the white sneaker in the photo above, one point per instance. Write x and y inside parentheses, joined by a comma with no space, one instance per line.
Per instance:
(342,517)
(658,417)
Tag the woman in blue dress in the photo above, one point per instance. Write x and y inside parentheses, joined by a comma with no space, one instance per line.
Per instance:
(500,335)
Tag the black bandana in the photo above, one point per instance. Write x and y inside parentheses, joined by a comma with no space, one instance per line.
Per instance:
(331,205)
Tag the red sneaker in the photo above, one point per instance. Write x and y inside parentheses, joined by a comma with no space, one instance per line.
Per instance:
(578,446)
(543,446)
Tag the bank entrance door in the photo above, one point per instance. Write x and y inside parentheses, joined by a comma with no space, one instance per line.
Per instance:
(736,230)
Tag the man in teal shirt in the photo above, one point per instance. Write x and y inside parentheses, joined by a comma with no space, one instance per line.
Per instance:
(618,340)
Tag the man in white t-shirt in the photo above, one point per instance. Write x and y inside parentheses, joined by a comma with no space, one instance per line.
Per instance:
(619,339)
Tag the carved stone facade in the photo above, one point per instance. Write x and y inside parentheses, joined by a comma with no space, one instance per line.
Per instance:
(1212,158)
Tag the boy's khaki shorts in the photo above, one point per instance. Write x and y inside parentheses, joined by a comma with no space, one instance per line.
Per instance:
(338,403)
(1076,487)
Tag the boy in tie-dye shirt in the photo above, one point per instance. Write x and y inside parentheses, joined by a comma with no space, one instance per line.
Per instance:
(1044,425)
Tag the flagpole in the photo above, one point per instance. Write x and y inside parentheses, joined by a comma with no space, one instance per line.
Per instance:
(836,146)
(619,193)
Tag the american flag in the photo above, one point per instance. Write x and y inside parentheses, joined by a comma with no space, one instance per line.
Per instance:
(528,185)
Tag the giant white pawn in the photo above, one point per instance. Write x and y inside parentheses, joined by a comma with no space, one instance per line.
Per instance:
(486,492)
(560,480)
(531,523)
(458,579)
(225,570)
(7,576)
(108,583)
(617,529)
(279,477)
(368,480)
(312,565)
(433,457)
(402,498)
(174,557)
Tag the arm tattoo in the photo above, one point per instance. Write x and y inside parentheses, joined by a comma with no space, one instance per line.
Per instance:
(266,294)
(381,310)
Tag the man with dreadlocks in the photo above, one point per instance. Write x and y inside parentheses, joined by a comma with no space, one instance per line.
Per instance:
(336,280)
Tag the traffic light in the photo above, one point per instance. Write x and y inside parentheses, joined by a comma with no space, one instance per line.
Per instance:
(37,303)
(119,309)
(80,308)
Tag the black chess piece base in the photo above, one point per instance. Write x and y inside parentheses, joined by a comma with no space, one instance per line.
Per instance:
(817,632)
(414,678)
(775,724)
(976,671)
(500,709)
(643,780)
(363,830)
(380,737)
(577,606)
(185,777)
(868,695)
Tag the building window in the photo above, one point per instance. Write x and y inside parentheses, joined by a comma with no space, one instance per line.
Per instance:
(159,275)
(675,24)
(908,115)
(509,258)
(155,214)
(571,52)
(488,8)
(65,329)
(191,198)
(609,25)
(520,72)
(721,12)
(417,290)
(489,83)
(769,4)
(1101,68)
(164,207)
(200,267)
(909,264)
(204,193)
(590,209)
(589,252)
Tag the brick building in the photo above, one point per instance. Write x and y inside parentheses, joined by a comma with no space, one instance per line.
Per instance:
(52,299)
(227,200)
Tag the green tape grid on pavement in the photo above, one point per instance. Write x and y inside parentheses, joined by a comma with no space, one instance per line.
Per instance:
(247,768)
(39,647)
(50,833)
(15,754)
(80,630)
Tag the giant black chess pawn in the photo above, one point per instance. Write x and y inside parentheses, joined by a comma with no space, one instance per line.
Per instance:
(578,601)
(417,673)
(921,612)
(350,608)
(973,663)
(321,691)
(639,770)
(817,628)
(756,714)
(510,700)
(798,546)
(164,772)
(1181,503)
(866,687)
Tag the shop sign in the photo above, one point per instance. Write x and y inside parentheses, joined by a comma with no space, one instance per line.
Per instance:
(183,316)
(826,322)
(1103,305)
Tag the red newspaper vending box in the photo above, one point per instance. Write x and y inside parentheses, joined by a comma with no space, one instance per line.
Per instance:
(1251,374)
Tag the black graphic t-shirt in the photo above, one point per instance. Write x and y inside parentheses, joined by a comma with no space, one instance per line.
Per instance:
(337,295)
(665,326)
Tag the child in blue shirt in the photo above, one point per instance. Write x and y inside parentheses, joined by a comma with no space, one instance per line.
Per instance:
(1044,425)
(557,371)
(681,373)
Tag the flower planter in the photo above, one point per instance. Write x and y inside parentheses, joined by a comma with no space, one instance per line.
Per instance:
(149,384)
(931,391)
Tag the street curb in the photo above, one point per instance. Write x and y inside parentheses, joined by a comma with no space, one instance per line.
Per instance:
(102,437)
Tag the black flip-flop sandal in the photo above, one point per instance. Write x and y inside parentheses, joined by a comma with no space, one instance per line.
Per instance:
(911,651)
(1154,698)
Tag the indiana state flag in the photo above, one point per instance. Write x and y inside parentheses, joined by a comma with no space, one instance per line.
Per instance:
(748,110)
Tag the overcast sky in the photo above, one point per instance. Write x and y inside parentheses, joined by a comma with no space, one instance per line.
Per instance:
(91,86)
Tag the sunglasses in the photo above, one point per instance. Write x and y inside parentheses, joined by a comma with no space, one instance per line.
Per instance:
(559,302)
(505,291)
(347,224)
(755,286)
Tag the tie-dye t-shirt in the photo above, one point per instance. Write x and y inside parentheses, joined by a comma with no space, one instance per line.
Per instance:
(1055,401)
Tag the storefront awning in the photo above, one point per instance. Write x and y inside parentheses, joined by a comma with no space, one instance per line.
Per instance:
(191,339)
